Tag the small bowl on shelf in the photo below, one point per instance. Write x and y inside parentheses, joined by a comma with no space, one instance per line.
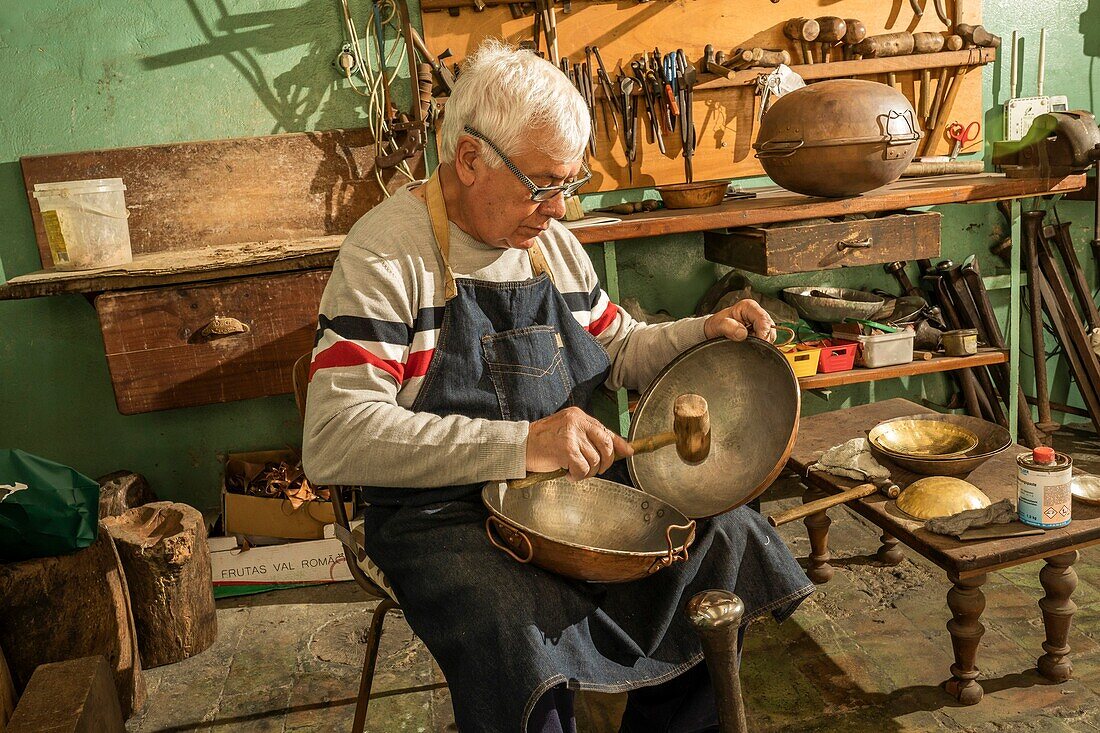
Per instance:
(693,195)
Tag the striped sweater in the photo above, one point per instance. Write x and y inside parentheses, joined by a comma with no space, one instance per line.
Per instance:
(377,328)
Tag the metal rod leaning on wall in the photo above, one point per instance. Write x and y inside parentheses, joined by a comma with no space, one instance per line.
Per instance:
(1077,367)
(1033,224)
(965,377)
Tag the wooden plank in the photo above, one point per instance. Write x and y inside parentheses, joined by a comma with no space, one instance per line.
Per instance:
(158,358)
(212,193)
(860,68)
(929,366)
(181,266)
(996,478)
(773,204)
(814,246)
(724,118)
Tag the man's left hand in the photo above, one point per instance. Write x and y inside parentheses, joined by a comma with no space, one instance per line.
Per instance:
(736,321)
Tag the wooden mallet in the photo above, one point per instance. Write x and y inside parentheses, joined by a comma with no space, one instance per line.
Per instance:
(690,434)
(888,489)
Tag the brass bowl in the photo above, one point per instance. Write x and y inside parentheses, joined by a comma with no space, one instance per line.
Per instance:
(918,438)
(992,439)
(940,496)
(693,195)
(594,530)
(1085,488)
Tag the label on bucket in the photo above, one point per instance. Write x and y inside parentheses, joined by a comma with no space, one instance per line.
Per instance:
(51,220)
(1044,497)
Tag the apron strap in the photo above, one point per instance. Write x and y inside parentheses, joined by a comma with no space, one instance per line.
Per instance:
(441,228)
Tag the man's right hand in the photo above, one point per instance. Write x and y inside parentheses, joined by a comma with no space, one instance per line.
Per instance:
(574,440)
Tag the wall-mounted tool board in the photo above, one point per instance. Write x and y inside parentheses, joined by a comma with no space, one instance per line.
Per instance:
(725,119)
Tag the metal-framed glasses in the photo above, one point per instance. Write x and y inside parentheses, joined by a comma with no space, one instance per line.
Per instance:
(538,193)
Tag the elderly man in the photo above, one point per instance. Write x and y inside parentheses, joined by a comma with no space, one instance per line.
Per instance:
(460,339)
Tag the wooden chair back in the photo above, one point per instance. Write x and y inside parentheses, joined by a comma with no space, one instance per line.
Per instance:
(300,378)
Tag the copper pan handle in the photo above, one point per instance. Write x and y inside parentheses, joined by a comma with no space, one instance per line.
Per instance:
(492,523)
(675,555)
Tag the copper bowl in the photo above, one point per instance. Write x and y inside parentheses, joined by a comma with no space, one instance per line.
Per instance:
(693,195)
(918,438)
(992,439)
(594,530)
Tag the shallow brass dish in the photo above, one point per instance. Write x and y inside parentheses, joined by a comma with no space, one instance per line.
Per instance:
(593,530)
(1086,489)
(921,438)
(940,496)
(992,439)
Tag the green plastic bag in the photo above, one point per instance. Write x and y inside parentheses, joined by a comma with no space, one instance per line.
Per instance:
(46,509)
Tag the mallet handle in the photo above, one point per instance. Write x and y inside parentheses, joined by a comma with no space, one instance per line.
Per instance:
(642,445)
(821,505)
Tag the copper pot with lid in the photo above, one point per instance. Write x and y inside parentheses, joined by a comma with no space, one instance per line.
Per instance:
(838,138)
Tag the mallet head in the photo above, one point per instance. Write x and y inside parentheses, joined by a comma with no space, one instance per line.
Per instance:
(691,424)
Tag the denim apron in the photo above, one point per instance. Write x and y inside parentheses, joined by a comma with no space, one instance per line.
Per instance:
(504,633)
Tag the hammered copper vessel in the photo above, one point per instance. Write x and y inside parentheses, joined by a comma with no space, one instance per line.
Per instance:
(838,138)
(992,439)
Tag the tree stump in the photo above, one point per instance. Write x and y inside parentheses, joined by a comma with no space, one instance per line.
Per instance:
(53,609)
(121,491)
(164,551)
(7,692)
(77,696)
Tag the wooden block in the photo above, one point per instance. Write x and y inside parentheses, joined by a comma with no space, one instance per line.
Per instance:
(163,550)
(805,247)
(54,609)
(7,693)
(75,696)
(121,491)
(159,357)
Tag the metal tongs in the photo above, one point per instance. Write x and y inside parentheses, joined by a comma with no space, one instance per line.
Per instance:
(685,78)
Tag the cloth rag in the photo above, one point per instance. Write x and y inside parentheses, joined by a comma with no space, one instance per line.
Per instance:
(1002,512)
(852,460)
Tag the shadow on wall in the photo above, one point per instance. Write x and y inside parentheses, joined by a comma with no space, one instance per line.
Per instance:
(299,98)
(1090,37)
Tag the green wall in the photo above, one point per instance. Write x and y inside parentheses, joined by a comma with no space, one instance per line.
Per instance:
(108,73)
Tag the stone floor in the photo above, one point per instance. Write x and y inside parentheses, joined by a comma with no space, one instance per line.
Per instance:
(866,653)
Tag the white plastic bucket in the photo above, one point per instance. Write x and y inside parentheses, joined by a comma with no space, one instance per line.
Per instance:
(85,222)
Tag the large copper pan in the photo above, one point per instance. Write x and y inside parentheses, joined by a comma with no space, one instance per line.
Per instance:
(591,530)
(603,531)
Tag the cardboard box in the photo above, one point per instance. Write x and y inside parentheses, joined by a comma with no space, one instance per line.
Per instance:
(263,516)
(235,571)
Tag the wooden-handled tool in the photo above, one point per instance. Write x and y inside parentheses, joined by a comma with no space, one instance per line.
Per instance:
(804,31)
(832,33)
(886,44)
(855,33)
(690,434)
(888,489)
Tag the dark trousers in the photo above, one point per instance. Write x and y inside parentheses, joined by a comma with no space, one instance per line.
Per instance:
(684,704)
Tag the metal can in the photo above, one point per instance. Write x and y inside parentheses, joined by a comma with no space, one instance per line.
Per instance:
(961,342)
(1043,481)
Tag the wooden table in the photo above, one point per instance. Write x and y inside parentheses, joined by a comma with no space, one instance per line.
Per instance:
(966,563)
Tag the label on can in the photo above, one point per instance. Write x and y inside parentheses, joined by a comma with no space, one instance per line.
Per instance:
(51,221)
(1044,497)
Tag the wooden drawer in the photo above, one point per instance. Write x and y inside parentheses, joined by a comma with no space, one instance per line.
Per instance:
(160,358)
(808,246)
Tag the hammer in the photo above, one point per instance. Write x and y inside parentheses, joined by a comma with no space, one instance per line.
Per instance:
(888,488)
(804,31)
(690,434)
(832,33)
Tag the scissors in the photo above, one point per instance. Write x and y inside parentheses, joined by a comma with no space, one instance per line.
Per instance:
(962,135)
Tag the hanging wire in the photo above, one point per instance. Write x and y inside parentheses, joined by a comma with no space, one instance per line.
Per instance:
(374,82)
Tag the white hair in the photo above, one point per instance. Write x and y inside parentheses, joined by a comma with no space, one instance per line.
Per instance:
(505,94)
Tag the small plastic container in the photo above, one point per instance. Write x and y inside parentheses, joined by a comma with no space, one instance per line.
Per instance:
(837,356)
(803,359)
(885,349)
(85,223)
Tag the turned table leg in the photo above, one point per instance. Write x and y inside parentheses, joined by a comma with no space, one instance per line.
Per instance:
(889,553)
(817,527)
(966,601)
(1059,580)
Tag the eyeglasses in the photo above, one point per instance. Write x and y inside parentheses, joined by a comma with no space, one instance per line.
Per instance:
(538,193)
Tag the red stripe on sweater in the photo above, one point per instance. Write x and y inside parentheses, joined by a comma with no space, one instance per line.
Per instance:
(599,325)
(346,354)
(417,363)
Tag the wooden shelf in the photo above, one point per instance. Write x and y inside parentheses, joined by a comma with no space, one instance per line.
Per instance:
(984,357)
(934,365)
(770,205)
(859,67)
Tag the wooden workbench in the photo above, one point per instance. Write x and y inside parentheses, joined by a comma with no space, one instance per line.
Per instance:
(966,563)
